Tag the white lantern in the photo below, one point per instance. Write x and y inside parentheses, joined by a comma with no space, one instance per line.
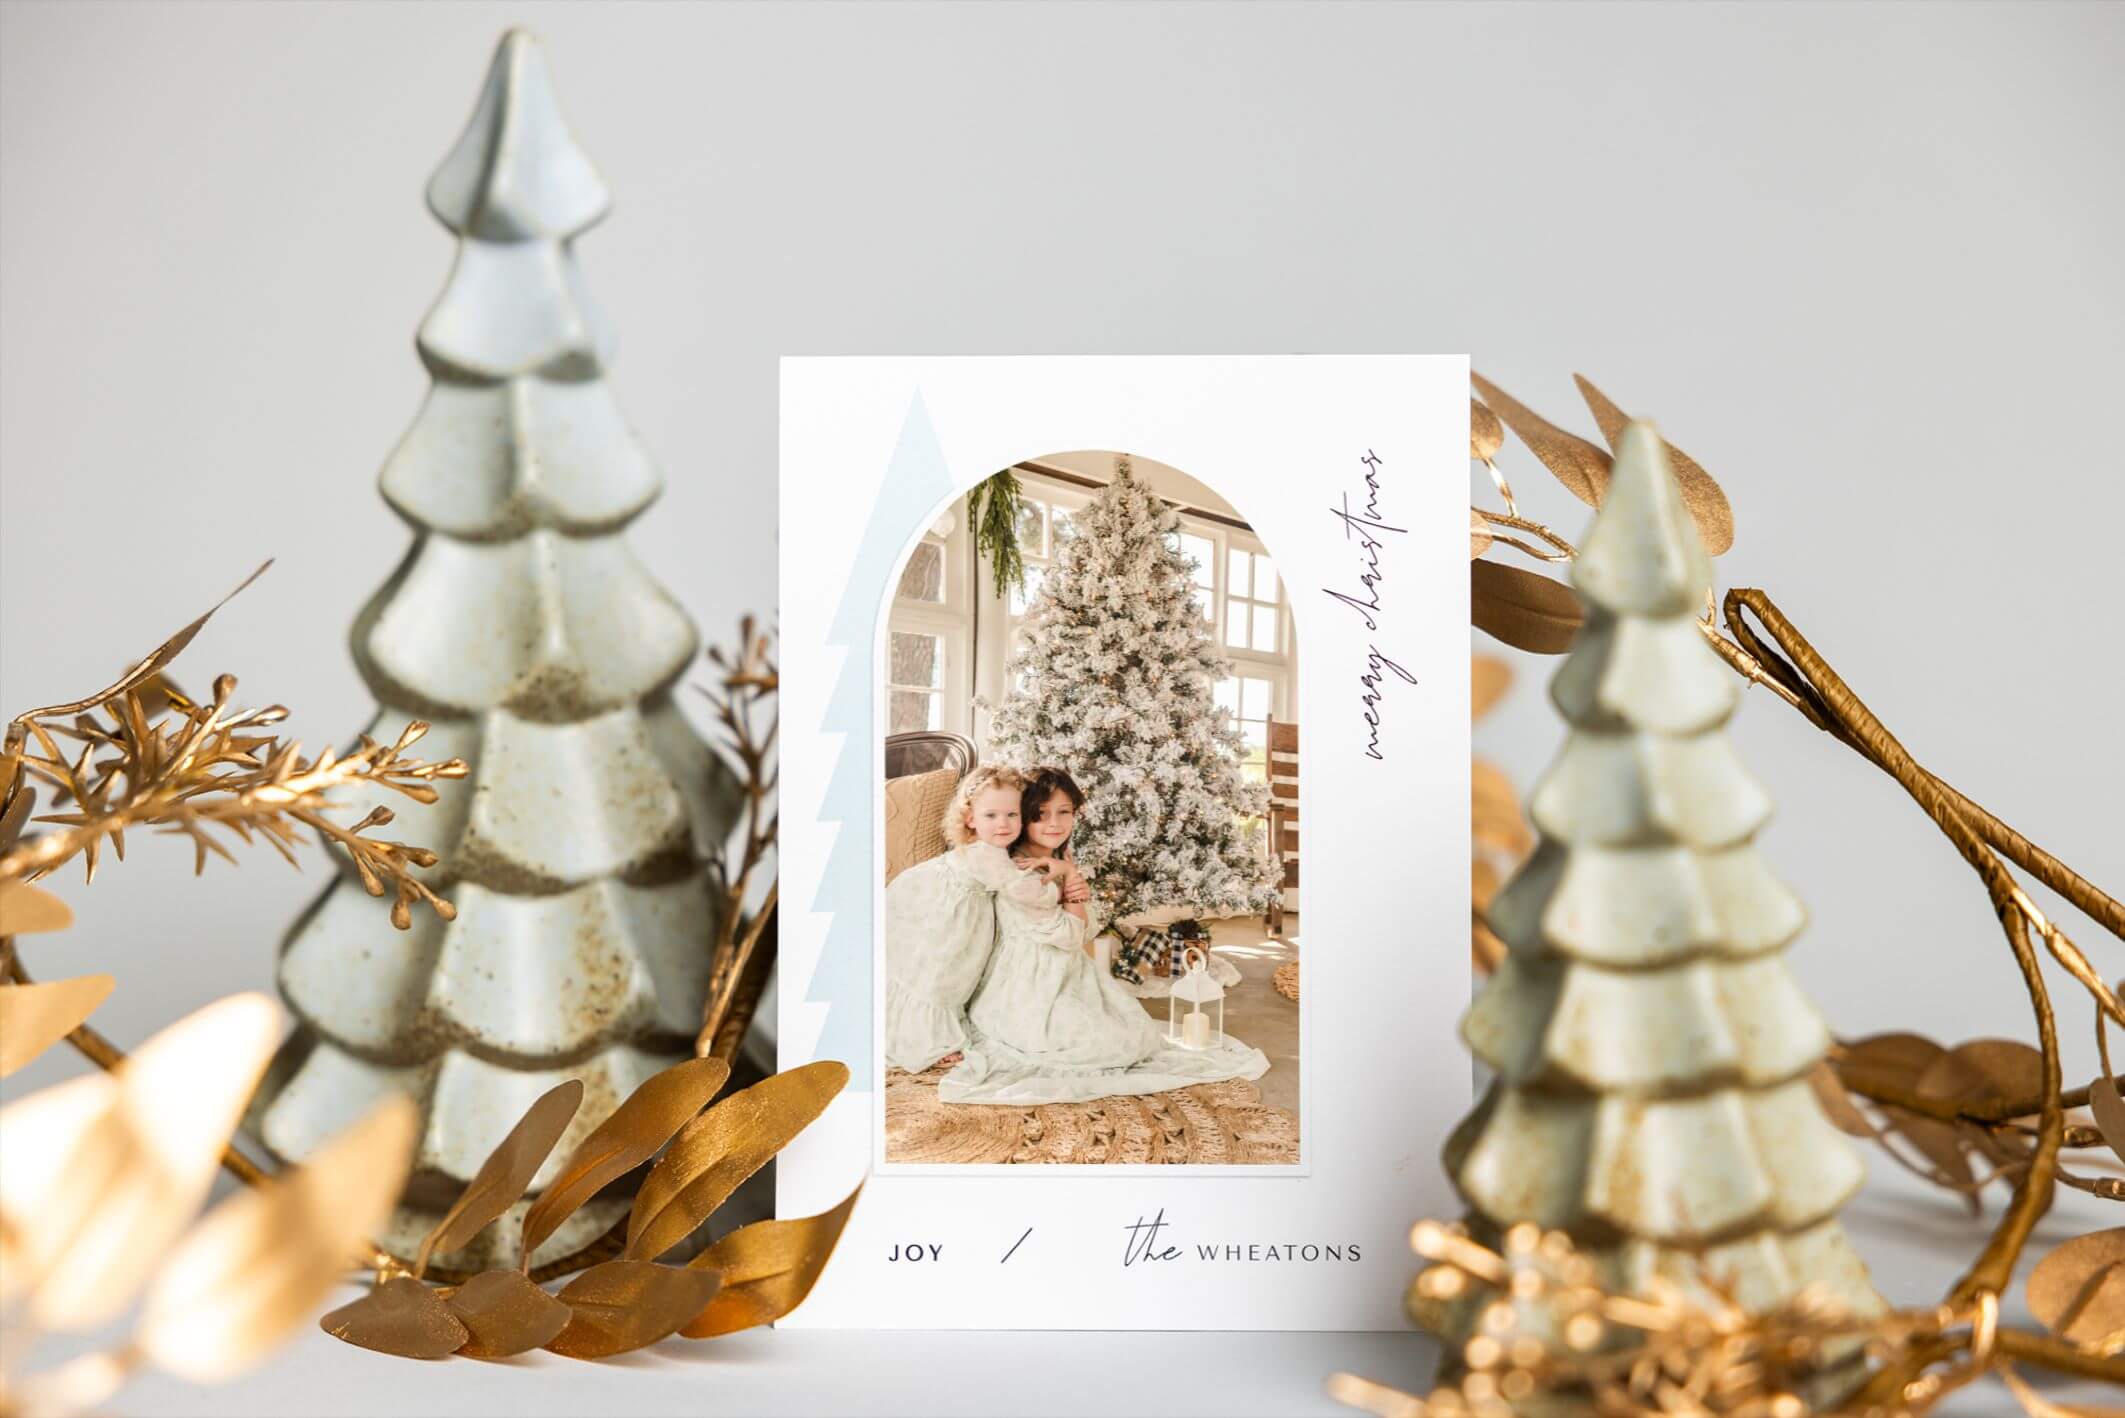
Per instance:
(1195,1011)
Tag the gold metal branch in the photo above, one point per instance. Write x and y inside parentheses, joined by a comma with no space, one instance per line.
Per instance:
(159,759)
(742,954)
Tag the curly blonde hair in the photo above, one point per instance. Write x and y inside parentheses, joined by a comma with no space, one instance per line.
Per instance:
(958,822)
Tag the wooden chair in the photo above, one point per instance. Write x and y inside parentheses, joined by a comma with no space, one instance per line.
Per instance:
(926,751)
(1283,815)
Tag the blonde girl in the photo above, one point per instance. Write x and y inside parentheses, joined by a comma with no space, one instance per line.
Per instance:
(940,921)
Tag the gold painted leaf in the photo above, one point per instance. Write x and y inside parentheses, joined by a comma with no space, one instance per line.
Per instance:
(505,1174)
(1479,537)
(1837,1104)
(25,910)
(768,1268)
(98,1215)
(1486,951)
(1582,467)
(147,669)
(1943,1145)
(1900,1061)
(1485,434)
(663,1104)
(507,1313)
(626,1304)
(400,1316)
(2078,1291)
(59,1154)
(1701,493)
(35,1017)
(2109,1112)
(721,1148)
(1497,819)
(1526,611)
(1489,677)
(1889,1060)
(21,802)
(1483,883)
(259,1263)
(1984,1069)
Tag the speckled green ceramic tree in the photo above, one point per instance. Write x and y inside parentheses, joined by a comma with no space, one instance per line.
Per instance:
(1650,1051)
(523,628)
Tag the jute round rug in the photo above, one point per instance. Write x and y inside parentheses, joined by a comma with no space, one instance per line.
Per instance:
(1286,980)
(1208,1123)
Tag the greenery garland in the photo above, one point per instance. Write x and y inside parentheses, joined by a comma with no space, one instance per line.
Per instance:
(992,512)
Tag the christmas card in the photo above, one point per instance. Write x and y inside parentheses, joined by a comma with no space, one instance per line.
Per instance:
(1124,832)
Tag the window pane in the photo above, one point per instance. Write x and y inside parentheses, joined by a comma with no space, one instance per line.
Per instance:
(917,659)
(1204,555)
(1227,695)
(913,709)
(1236,624)
(1254,698)
(1236,573)
(923,580)
(1058,529)
(1265,582)
(1257,738)
(1020,600)
(1030,524)
(1202,603)
(1265,628)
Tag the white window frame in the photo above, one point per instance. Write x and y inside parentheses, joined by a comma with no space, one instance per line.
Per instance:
(952,622)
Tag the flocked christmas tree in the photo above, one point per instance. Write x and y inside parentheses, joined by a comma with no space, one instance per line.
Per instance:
(521,626)
(1651,1051)
(1114,683)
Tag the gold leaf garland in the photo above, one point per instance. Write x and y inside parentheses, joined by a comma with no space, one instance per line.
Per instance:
(149,756)
(631,1300)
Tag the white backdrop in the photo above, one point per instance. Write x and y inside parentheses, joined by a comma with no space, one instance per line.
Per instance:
(1859,260)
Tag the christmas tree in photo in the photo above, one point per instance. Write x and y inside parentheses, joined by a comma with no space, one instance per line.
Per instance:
(1114,682)
(520,624)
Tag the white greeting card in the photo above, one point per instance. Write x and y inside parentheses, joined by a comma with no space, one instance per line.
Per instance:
(1155,1025)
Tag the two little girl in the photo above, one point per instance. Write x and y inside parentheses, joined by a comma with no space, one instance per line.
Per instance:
(990,966)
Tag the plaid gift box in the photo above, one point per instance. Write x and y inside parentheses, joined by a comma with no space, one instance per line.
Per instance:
(1134,957)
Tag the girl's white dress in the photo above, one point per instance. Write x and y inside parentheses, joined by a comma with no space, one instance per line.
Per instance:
(1048,1025)
(940,928)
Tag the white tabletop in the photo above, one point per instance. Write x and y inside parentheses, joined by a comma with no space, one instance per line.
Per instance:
(1915,1239)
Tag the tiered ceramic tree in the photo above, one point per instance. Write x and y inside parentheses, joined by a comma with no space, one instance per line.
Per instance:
(521,626)
(1651,1051)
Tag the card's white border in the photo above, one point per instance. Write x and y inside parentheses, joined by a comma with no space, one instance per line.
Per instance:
(854,435)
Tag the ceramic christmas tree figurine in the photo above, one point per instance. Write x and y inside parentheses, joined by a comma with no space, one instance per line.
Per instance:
(1651,1052)
(1116,680)
(545,656)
